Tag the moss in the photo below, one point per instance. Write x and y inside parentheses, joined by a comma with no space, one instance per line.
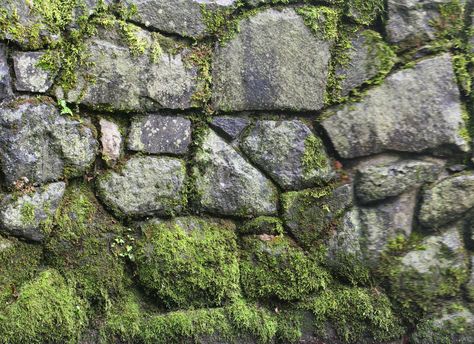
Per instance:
(46,311)
(364,11)
(350,268)
(189,262)
(275,267)
(80,247)
(314,157)
(449,26)
(263,225)
(323,21)
(385,56)
(357,315)
(200,58)
(461,63)
(27,213)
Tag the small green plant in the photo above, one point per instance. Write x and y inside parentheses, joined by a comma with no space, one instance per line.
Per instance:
(64,109)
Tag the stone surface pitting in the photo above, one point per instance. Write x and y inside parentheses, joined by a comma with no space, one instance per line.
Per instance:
(29,76)
(157,134)
(145,186)
(275,62)
(414,110)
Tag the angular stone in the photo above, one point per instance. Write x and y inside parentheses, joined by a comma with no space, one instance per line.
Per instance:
(22,216)
(412,111)
(384,222)
(374,183)
(231,127)
(412,21)
(345,241)
(368,56)
(28,75)
(275,62)
(228,184)
(126,81)
(38,143)
(111,140)
(182,17)
(289,152)
(5,79)
(157,134)
(310,214)
(145,186)
(447,201)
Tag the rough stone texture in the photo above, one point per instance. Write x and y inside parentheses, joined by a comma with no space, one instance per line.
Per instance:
(228,185)
(23,216)
(365,61)
(289,152)
(470,283)
(182,17)
(447,201)
(38,143)
(145,186)
(309,213)
(385,221)
(111,140)
(28,75)
(157,134)
(274,62)
(230,127)
(378,182)
(412,111)
(5,79)
(129,82)
(411,20)
(345,241)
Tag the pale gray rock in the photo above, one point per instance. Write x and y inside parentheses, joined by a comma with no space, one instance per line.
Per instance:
(145,186)
(38,143)
(346,240)
(447,200)
(386,221)
(289,153)
(132,82)
(310,213)
(182,17)
(228,185)
(23,216)
(111,141)
(230,127)
(5,79)
(414,110)
(28,75)
(275,62)
(374,183)
(157,134)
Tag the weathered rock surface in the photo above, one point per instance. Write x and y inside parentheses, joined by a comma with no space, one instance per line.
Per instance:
(111,140)
(145,186)
(383,222)
(28,75)
(412,20)
(470,283)
(182,17)
(135,81)
(157,134)
(5,79)
(275,62)
(413,110)
(230,127)
(309,214)
(447,201)
(228,184)
(289,152)
(378,182)
(346,240)
(23,216)
(38,143)
(367,57)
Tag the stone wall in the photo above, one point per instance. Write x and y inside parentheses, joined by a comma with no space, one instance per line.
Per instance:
(236,171)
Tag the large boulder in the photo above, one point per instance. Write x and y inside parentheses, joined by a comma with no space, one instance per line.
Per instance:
(183,17)
(22,216)
(157,134)
(132,77)
(275,62)
(5,78)
(414,110)
(38,143)
(29,76)
(145,186)
(228,185)
(289,152)
(447,200)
